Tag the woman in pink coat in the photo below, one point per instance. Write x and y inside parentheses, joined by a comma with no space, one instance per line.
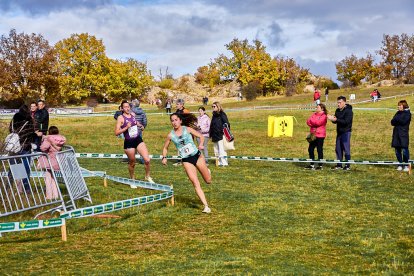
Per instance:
(317,124)
(51,144)
(203,122)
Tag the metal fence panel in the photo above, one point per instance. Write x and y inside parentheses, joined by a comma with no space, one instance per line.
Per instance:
(71,175)
(26,184)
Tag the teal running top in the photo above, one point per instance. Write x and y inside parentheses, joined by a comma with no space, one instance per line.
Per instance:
(184,143)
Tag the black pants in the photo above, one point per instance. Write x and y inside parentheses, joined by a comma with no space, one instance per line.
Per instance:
(318,144)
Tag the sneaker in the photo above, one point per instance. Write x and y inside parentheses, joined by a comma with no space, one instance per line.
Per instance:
(347,168)
(319,168)
(149,179)
(310,167)
(206,210)
(337,168)
(399,168)
(179,163)
(406,169)
(133,186)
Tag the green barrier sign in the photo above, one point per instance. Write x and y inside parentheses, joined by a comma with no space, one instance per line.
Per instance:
(29,224)
(98,209)
(7,226)
(52,222)
(87,212)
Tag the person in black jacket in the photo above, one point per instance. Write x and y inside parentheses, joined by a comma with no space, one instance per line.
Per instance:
(343,120)
(216,133)
(400,134)
(22,124)
(41,117)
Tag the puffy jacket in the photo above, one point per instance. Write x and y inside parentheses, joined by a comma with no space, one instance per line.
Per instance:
(140,115)
(216,126)
(344,119)
(317,123)
(400,133)
(203,122)
(46,146)
(316,95)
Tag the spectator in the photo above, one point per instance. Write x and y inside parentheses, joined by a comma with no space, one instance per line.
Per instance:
(317,124)
(343,120)
(118,112)
(168,106)
(317,96)
(400,134)
(216,133)
(33,109)
(140,115)
(37,140)
(41,117)
(205,100)
(374,95)
(203,123)
(23,124)
(180,107)
(51,144)
(326,94)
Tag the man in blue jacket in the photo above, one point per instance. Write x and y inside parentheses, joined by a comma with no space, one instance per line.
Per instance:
(343,120)
(140,115)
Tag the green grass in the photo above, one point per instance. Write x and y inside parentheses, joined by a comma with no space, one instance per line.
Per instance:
(268,217)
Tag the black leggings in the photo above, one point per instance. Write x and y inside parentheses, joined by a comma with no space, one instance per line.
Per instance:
(318,144)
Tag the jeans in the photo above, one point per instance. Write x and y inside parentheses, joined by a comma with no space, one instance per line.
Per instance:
(403,154)
(343,147)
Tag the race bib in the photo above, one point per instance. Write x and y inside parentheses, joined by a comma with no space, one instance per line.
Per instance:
(133,131)
(187,150)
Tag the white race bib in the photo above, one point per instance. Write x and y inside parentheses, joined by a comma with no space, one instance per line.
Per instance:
(187,150)
(133,131)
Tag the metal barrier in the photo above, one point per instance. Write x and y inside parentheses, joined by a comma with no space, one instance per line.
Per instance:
(71,174)
(27,183)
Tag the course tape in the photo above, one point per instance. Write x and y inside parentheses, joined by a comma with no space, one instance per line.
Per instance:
(30,225)
(254,158)
(167,192)
(116,205)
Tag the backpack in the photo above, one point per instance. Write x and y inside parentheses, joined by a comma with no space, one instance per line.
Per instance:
(12,143)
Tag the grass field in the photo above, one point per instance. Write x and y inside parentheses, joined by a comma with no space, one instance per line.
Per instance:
(267,217)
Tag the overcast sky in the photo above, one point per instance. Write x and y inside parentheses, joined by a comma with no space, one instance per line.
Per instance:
(185,35)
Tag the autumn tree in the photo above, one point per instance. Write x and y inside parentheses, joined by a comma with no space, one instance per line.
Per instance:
(251,64)
(353,70)
(128,79)
(27,68)
(208,75)
(83,66)
(397,52)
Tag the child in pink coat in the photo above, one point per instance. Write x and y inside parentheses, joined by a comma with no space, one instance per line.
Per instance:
(317,124)
(51,144)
